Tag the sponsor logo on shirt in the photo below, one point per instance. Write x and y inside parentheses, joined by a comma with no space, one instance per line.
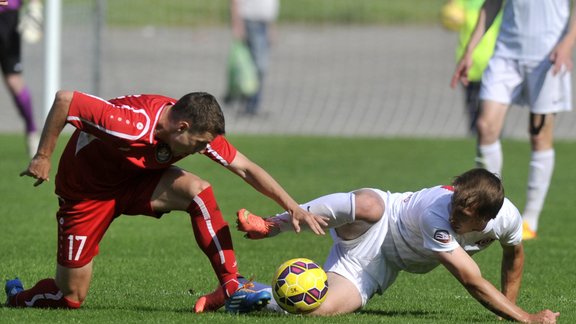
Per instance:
(442,236)
(163,153)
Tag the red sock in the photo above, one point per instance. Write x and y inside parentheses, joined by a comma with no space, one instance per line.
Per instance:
(45,294)
(213,237)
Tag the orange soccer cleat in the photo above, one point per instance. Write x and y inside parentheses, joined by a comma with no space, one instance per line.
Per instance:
(527,232)
(254,226)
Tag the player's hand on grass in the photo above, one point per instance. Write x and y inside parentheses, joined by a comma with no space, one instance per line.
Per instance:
(545,316)
(39,169)
(315,222)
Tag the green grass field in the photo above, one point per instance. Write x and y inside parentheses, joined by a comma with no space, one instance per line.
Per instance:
(150,270)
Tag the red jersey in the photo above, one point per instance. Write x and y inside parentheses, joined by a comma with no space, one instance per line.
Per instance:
(114,141)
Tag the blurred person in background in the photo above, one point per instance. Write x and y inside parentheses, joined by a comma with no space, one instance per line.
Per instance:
(467,15)
(12,29)
(531,66)
(252,22)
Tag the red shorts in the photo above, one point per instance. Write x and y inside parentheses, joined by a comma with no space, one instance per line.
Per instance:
(82,224)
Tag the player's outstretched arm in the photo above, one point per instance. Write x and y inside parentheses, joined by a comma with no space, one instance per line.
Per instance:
(267,185)
(461,265)
(487,15)
(39,167)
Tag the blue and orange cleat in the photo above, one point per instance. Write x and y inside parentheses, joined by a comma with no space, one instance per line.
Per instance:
(12,288)
(246,300)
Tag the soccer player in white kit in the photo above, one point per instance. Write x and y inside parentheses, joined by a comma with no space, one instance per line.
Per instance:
(530,66)
(377,234)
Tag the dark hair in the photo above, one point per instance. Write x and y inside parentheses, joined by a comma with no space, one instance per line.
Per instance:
(202,111)
(480,191)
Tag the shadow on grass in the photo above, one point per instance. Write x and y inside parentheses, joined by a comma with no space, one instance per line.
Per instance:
(398,313)
(185,310)
(428,316)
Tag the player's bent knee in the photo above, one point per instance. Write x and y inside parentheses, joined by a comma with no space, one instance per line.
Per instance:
(203,185)
(194,184)
(369,206)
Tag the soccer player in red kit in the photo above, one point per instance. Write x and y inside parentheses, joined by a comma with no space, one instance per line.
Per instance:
(119,161)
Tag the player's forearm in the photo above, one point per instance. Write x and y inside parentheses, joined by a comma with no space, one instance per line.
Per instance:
(267,185)
(496,302)
(511,271)
(54,124)
(570,37)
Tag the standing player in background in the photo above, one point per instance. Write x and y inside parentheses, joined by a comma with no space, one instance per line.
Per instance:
(252,22)
(377,234)
(11,30)
(480,56)
(531,65)
(120,161)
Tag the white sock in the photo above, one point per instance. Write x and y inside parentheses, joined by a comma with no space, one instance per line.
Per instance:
(539,176)
(338,207)
(491,158)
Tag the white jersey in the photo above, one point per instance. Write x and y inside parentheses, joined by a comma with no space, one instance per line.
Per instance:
(415,226)
(531,28)
(418,226)
(259,10)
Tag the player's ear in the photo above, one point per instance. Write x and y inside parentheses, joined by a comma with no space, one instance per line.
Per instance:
(469,211)
(183,126)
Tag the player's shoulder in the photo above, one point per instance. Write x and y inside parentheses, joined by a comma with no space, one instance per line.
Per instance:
(508,210)
(433,200)
(508,223)
(436,192)
(221,150)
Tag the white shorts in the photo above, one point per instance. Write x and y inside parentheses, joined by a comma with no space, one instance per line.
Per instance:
(531,83)
(361,260)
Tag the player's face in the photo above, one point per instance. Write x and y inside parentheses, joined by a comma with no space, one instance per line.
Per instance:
(463,223)
(184,143)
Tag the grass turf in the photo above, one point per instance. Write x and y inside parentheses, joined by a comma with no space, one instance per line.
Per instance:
(150,270)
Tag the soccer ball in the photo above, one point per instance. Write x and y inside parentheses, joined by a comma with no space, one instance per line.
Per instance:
(300,286)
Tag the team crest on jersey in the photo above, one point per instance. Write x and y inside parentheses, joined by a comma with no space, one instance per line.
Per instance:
(163,153)
(442,236)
